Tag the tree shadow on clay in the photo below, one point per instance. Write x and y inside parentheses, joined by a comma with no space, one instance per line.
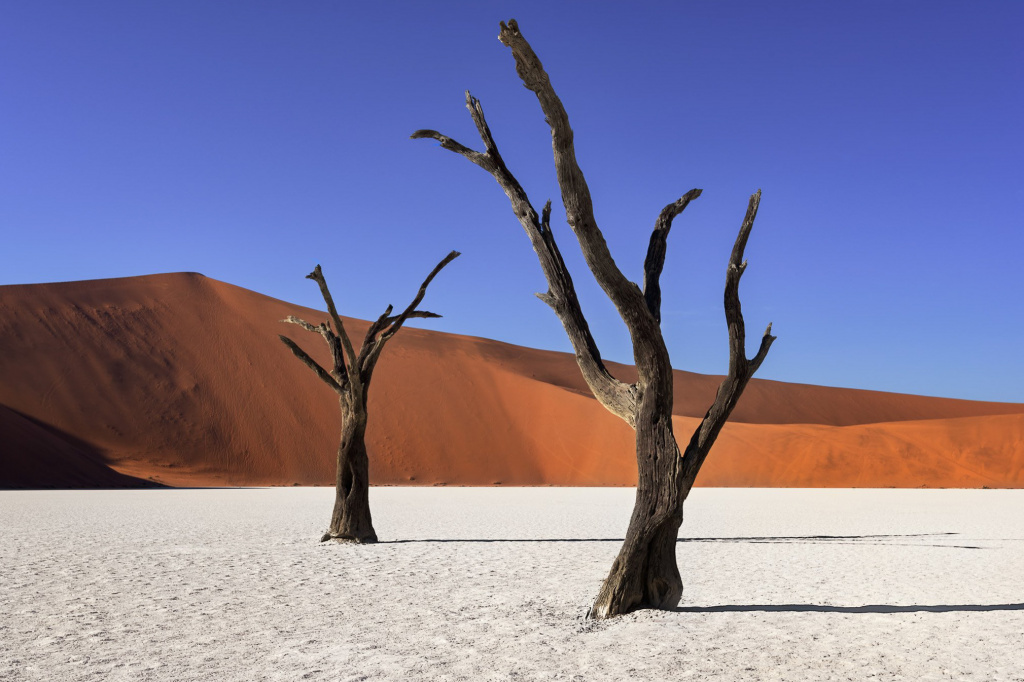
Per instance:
(869,608)
(782,539)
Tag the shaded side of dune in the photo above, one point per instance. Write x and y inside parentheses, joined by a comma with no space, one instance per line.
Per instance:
(181,379)
(37,455)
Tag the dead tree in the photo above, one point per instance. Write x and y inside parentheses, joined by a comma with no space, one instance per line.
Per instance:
(645,573)
(350,376)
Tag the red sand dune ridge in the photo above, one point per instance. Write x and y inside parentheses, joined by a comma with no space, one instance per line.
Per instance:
(180,379)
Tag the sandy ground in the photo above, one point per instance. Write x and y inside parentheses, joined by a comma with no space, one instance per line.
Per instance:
(493,584)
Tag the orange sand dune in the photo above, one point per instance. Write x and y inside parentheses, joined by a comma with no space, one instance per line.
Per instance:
(969,452)
(181,379)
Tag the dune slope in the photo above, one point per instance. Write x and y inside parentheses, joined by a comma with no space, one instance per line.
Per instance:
(39,456)
(180,379)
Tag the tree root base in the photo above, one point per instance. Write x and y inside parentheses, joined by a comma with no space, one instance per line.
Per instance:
(348,539)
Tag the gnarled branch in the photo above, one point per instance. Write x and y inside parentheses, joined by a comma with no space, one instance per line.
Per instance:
(387,325)
(411,308)
(733,313)
(740,368)
(579,206)
(309,327)
(333,343)
(617,396)
(311,363)
(655,260)
(451,145)
(375,328)
(318,276)
(388,319)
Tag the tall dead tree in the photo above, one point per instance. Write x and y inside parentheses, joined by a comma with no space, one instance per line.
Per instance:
(350,376)
(645,573)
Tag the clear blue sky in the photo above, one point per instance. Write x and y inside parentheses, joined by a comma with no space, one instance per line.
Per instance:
(251,140)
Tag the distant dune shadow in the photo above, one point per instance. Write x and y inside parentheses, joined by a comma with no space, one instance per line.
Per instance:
(48,458)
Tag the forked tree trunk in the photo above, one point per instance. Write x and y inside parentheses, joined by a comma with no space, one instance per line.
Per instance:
(351,520)
(645,573)
(350,378)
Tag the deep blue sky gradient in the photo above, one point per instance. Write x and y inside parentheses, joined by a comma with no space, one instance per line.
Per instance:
(251,140)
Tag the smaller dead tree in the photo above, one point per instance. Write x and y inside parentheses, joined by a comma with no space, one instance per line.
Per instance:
(349,377)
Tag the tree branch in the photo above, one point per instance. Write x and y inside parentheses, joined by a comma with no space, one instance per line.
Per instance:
(451,145)
(733,314)
(318,276)
(387,325)
(579,207)
(618,397)
(545,217)
(339,373)
(375,328)
(291,319)
(740,368)
(762,351)
(411,308)
(655,261)
(311,363)
(387,319)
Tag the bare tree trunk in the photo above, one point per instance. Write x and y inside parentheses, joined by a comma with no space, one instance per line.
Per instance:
(645,573)
(351,520)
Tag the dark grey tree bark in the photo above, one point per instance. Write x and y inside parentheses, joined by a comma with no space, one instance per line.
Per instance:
(349,377)
(645,573)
